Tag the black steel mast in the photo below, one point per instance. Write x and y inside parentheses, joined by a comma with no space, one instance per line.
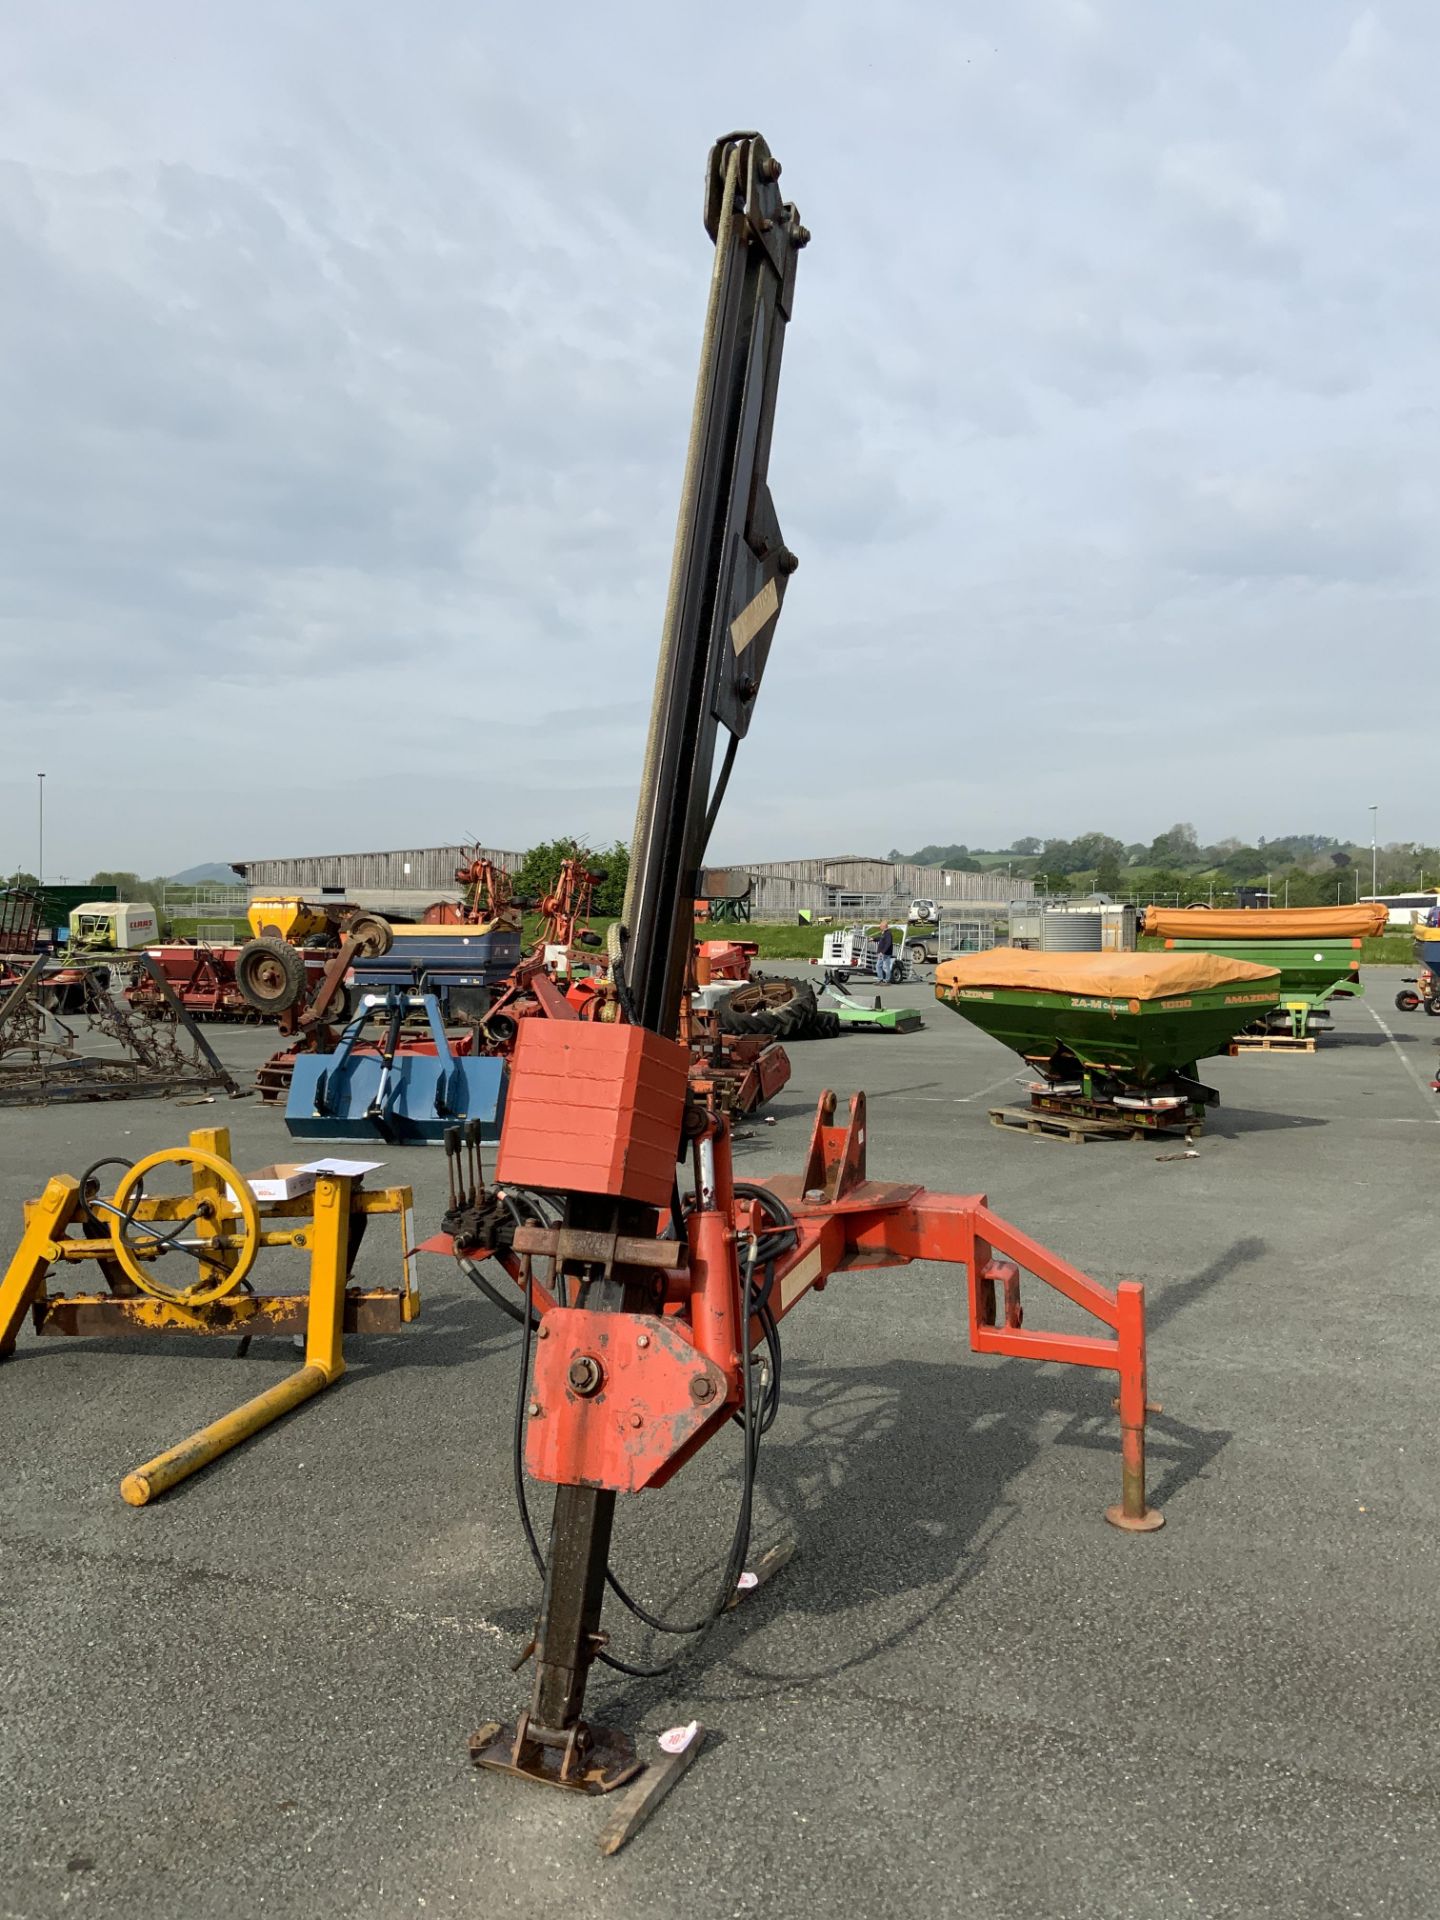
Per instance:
(727,582)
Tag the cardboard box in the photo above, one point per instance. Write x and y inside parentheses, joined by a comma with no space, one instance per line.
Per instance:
(283,1182)
(288,1179)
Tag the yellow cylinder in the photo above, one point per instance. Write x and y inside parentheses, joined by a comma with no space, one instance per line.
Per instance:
(168,1469)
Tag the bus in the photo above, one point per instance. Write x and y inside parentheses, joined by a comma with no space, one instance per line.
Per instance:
(1409,909)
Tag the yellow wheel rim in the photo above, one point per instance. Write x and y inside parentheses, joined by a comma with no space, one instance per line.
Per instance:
(219,1213)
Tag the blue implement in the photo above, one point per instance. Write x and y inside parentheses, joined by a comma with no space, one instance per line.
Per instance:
(461,965)
(404,1099)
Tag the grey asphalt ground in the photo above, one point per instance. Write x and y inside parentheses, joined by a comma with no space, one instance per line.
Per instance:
(965,1693)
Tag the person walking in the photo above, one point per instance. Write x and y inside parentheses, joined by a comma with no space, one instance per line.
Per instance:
(885,953)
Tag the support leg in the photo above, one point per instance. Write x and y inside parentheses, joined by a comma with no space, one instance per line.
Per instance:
(324,1357)
(177,1463)
(46,1220)
(553,1743)
(329,1266)
(1132,1515)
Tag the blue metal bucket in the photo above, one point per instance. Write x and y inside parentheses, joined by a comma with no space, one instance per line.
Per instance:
(403,1099)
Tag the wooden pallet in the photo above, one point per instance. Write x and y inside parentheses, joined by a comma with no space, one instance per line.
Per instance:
(1079,1128)
(1273,1043)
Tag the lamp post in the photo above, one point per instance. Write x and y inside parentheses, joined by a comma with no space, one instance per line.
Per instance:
(40,854)
(1374,850)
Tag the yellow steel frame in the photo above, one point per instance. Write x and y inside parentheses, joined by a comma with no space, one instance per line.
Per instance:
(319,1223)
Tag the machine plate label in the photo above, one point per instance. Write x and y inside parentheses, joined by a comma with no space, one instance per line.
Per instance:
(748,622)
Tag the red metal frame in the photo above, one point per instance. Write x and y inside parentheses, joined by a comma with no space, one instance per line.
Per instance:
(566,908)
(723,960)
(622,1400)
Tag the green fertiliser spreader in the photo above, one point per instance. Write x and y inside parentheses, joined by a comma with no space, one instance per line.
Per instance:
(1116,1038)
(1315,951)
(1312,973)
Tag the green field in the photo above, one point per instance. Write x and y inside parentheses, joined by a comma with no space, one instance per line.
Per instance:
(803,943)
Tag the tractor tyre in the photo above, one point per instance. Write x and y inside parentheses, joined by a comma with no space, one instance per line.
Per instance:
(373,933)
(270,975)
(825,1026)
(779,1008)
(1407,1000)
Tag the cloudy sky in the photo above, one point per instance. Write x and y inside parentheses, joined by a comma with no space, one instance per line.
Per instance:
(346,355)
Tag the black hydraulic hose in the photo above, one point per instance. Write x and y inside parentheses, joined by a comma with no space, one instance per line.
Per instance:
(531,1212)
(477,1277)
(740,1542)
(522,1388)
(726,765)
(699,1632)
(765,1251)
(753,1422)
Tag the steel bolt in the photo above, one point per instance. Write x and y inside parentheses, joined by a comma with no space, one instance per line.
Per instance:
(637,1419)
(585,1374)
(702,1387)
(542,1332)
(642,1340)
(788,561)
(534,1406)
(771,169)
(802,236)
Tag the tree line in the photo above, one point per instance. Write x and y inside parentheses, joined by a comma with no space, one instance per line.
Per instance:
(1310,869)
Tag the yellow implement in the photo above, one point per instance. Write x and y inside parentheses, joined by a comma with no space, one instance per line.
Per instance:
(286,917)
(180,1263)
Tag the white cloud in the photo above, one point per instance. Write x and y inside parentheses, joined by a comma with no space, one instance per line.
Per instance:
(346,365)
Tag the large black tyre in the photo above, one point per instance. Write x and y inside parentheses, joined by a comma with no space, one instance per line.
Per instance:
(1407,1000)
(783,1008)
(825,1026)
(1432,1005)
(270,975)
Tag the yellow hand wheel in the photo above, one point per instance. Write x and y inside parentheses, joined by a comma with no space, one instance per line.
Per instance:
(216,1223)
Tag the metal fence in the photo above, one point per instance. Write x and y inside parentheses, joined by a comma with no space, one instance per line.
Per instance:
(206,899)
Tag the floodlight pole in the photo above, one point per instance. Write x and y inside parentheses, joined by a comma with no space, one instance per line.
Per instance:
(1374,851)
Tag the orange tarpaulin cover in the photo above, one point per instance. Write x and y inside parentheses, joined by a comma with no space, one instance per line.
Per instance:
(1268,923)
(1121,976)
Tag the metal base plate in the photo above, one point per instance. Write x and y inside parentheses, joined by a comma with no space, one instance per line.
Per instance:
(606,1763)
(1149,1522)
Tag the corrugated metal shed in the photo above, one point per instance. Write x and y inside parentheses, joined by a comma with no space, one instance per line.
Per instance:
(836,884)
(830,885)
(428,870)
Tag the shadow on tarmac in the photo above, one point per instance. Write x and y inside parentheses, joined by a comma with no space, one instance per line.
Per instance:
(1228,1123)
(896,1479)
(897,1483)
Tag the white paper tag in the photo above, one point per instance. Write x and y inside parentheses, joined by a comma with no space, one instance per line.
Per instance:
(676,1739)
(746,1581)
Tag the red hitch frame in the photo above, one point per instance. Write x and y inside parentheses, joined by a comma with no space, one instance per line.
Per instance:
(621,1400)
